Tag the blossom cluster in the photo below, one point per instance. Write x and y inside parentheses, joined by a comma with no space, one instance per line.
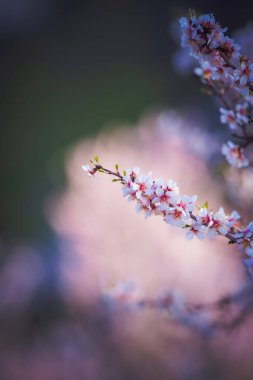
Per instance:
(153,196)
(156,197)
(219,55)
(234,155)
(228,75)
(237,118)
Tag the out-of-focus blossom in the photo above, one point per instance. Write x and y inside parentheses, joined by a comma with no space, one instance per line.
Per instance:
(244,237)
(207,42)
(206,71)
(243,75)
(232,220)
(245,244)
(228,117)
(124,294)
(193,134)
(226,72)
(234,155)
(242,112)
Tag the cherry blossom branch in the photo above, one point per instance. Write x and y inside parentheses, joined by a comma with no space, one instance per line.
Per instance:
(159,198)
(100,168)
(243,59)
(247,139)
(155,197)
(226,313)
(231,238)
(224,70)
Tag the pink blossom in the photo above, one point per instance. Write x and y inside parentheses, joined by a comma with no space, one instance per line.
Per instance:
(176,216)
(242,112)
(207,71)
(244,238)
(219,224)
(153,197)
(124,293)
(234,155)
(90,171)
(145,207)
(165,193)
(232,220)
(228,117)
(144,183)
(196,229)
(205,217)
(207,42)
(243,75)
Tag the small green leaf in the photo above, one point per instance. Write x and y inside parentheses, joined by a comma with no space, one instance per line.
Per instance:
(96,158)
(117,167)
(205,205)
(115,180)
(124,172)
(191,13)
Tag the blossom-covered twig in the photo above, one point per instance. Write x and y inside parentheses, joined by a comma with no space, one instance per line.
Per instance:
(153,196)
(227,74)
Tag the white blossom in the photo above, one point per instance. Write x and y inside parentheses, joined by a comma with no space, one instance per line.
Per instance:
(234,155)
(232,220)
(228,117)
(90,171)
(219,224)
(196,229)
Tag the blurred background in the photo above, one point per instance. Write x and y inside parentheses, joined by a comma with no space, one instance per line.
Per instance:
(107,77)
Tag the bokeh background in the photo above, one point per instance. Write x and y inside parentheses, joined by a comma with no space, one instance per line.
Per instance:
(105,77)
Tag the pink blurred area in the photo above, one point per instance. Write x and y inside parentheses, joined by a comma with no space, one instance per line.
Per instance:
(103,240)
